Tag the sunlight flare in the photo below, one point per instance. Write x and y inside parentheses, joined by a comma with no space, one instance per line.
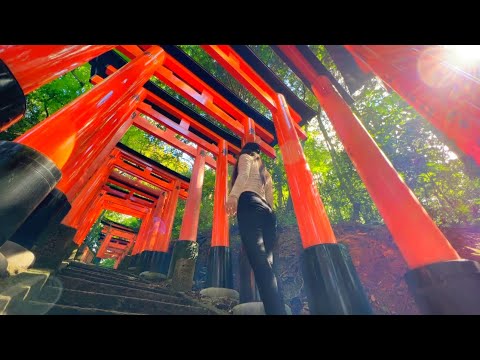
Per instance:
(464,54)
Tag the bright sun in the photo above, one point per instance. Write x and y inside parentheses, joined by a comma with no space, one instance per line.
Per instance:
(465,53)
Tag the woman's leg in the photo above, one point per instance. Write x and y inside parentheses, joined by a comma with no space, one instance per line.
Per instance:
(270,239)
(251,217)
(269,228)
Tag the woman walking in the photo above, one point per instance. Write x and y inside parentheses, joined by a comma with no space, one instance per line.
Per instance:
(251,198)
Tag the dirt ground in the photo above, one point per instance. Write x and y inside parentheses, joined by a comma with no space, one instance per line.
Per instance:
(377,259)
(378,262)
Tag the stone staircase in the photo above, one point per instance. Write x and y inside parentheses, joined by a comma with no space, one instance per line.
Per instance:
(80,289)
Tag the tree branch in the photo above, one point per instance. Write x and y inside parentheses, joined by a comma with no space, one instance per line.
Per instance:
(82,84)
(45,107)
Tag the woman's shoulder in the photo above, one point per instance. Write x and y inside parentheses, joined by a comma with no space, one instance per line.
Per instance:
(246,157)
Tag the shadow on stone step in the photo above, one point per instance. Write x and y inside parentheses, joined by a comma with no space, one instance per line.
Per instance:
(17,257)
(17,291)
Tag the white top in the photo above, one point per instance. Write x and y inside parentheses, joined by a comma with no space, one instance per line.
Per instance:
(249,179)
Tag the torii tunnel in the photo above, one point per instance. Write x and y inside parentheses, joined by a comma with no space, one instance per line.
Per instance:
(57,177)
(116,241)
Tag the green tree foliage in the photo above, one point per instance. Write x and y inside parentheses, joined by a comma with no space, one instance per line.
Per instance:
(92,239)
(107,263)
(126,220)
(49,98)
(158,150)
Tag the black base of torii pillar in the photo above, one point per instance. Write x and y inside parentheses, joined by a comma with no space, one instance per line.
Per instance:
(49,213)
(13,102)
(219,268)
(446,288)
(153,261)
(332,283)
(26,178)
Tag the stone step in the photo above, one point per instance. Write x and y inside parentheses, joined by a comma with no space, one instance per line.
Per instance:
(111,277)
(109,289)
(18,257)
(86,299)
(80,265)
(103,272)
(10,297)
(104,280)
(91,267)
(42,308)
(24,286)
(182,298)
(99,275)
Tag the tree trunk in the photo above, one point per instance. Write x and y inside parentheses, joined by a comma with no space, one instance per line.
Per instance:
(441,195)
(279,185)
(289,206)
(345,184)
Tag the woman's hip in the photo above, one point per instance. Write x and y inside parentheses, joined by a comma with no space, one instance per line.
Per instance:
(251,205)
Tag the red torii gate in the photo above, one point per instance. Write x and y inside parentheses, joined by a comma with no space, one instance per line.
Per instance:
(35,66)
(117,242)
(220,108)
(151,241)
(82,135)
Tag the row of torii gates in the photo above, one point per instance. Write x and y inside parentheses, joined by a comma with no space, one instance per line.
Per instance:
(56,178)
(116,242)
(132,184)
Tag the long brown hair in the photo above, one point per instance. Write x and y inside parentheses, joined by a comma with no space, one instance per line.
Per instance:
(252,149)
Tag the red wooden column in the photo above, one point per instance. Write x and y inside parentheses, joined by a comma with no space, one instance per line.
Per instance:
(312,218)
(103,248)
(157,222)
(145,233)
(141,240)
(75,134)
(85,254)
(332,282)
(190,219)
(161,254)
(422,244)
(24,68)
(90,190)
(162,209)
(91,215)
(440,91)
(186,246)
(163,242)
(153,231)
(219,269)
(141,237)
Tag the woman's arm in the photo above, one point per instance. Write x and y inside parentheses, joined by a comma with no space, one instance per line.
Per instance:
(244,164)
